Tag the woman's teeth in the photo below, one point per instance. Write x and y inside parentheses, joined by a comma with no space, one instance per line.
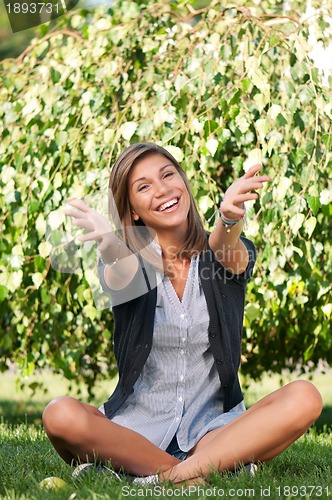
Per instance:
(168,204)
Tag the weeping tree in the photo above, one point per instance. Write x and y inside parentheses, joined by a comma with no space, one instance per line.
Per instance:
(221,87)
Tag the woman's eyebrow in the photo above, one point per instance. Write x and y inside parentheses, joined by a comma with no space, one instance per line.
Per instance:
(160,170)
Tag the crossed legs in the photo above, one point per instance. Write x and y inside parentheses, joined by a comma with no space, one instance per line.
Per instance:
(258,435)
(79,431)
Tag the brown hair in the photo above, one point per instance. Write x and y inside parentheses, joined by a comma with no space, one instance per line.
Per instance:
(135,233)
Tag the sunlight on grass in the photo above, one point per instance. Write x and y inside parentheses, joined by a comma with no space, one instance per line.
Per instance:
(257,390)
(55,385)
(26,406)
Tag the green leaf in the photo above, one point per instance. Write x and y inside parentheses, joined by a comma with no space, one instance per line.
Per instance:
(144,129)
(261,101)
(309,147)
(327,310)
(3,292)
(14,280)
(205,203)
(43,29)
(310,225)
(236,97)
(55,75)
(327,140)
(176,152)
(34,205)
(45,249)
(212,146)
(234,111)
(263,127)
(298,120)
(274,111)
(128,129)
(209,127)
(252,312)
(40,225)
(296,222)
(37,279)
(281,120)
(298,156)
(246,84)
(90,312)
(274,39)
(314,203)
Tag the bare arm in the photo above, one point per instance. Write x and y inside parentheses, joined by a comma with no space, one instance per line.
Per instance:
(225,242)
(122,263)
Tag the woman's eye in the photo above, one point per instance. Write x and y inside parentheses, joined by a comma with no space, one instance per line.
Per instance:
(141,188)
(168,174)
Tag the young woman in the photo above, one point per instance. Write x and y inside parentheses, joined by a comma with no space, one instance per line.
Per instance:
(178,300)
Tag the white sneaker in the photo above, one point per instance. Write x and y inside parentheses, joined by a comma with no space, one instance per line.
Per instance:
(251,469)
(87,468)
(154,479)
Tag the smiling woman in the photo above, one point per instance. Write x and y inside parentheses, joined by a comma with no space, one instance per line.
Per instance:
(144,177)
(178,301)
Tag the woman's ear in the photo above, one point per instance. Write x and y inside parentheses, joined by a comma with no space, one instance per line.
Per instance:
(135,216)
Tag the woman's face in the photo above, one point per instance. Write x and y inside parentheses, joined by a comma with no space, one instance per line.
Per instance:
(158,194)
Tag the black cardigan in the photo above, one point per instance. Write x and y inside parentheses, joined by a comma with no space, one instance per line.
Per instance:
(134,320)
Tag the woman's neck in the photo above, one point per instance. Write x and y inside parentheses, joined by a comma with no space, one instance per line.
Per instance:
(171,243)
(171,247)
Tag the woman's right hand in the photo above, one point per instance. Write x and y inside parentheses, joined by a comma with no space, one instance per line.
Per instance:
(98,226)
(113,250)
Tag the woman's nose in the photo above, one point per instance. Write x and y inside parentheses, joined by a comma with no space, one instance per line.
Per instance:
(161,188)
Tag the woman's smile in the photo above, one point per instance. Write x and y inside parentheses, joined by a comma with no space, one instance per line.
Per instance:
(169,206)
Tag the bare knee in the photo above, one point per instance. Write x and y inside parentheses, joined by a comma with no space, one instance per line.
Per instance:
(60,416)
(304,402)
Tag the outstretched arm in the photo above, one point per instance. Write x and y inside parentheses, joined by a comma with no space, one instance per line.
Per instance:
(225,241)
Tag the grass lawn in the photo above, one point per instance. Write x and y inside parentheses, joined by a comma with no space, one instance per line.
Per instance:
(26,457)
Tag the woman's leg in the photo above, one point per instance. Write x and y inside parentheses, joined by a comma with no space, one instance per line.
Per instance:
(259,434)
(80,432)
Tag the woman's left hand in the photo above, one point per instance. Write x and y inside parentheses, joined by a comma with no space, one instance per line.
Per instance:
(241,191)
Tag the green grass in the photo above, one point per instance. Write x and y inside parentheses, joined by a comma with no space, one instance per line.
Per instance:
(26,456)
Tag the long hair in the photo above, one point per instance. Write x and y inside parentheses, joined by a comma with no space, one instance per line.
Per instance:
(135,234)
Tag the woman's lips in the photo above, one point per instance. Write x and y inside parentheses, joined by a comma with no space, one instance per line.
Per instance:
(172,208)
